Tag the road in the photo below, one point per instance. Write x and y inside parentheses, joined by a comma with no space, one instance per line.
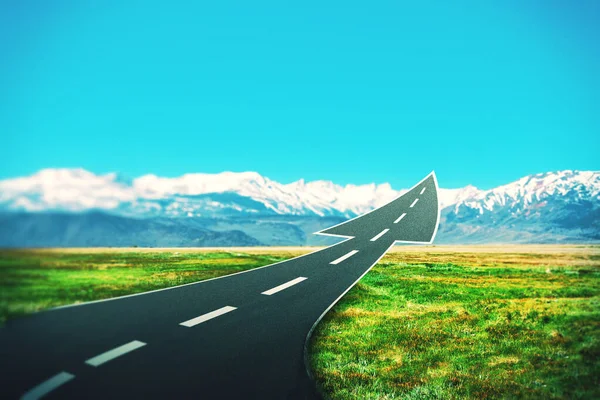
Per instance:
(239,336)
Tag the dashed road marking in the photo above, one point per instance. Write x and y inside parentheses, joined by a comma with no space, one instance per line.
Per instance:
(345,256)
(423,190)
(114,353)
(380,234)
(400,218)
(284,286)
(414,202)
(47,386)
(205,317)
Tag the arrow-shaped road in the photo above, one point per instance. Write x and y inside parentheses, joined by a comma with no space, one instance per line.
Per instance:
(240,336)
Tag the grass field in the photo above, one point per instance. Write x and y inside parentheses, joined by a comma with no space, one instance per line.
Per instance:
(426,322)
(34,280)
(514,323)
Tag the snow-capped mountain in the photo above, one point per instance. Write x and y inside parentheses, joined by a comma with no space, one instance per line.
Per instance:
(78,190)
(553,206)
(534,189)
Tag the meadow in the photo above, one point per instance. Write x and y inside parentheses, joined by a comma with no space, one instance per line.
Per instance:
(517,322)
(35,280)
(426,322)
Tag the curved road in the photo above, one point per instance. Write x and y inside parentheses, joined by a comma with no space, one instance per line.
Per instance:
(239,336)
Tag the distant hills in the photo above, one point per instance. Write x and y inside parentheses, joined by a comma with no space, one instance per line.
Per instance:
(74,207)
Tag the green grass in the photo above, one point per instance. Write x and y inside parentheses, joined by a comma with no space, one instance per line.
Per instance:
(426,323)
(36,280)
(440,330)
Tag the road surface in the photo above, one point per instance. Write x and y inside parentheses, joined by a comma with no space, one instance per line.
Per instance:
(240,336)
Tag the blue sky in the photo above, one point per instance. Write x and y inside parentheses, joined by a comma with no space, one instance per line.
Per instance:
(353,92)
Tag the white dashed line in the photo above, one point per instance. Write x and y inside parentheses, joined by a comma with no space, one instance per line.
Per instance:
(47,386)
(114,353)
(345,256)
(380,234)
(423,190)
(400,218)
(413,203)
(205,317)
(284,286)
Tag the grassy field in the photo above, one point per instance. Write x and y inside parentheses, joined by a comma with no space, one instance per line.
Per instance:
(34,280)
(426,322)
(502,323)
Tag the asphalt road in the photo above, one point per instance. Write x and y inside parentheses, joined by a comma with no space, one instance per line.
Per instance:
(240,336)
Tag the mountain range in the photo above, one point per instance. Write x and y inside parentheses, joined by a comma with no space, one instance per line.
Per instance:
(75,207)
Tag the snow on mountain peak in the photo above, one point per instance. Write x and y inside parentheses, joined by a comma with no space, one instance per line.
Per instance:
(64,189)
(79,190)
(535,188)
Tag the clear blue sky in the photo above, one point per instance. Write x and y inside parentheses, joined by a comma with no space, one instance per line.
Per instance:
(355,92)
